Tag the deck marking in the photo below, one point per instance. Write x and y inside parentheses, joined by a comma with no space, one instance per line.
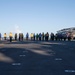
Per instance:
(22,55)
(16,64)
(70,71)
(58,59)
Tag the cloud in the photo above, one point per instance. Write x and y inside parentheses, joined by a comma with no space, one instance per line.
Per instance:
(17,29)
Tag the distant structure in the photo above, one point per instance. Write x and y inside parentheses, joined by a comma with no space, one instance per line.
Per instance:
(67,30)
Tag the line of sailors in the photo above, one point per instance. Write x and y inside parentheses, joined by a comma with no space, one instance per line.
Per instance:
(64,37)
(39,36)
(53,37)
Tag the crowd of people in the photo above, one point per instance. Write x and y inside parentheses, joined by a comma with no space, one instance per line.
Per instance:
(38,37)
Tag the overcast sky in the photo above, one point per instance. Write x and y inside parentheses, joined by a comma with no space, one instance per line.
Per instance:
(36,15)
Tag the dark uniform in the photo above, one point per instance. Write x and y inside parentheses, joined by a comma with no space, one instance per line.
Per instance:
(52,36)
(0,36)
(40,37)
(21,36)
(56,37)
(61,37)
(37,36)
(16,36)
(47,36)
(10,36)
(64,37)
(27,36)
(34,36)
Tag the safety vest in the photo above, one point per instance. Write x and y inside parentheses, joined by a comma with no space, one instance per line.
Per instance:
(5,35)
(31,35)
(10,35)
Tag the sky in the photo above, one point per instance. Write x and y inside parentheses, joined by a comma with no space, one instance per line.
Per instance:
(35,16)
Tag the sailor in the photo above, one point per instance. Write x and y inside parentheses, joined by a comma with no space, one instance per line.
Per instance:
(47,36)
(34,36)
(16,36)
(59,36)
(5,36)
(37,36)
(19,37)
(43,36)
(56,37)
(10,36)
(27,36)
(52,36)
(64,37)
(31,35)
(0,36)
(22,36)
(40,36)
